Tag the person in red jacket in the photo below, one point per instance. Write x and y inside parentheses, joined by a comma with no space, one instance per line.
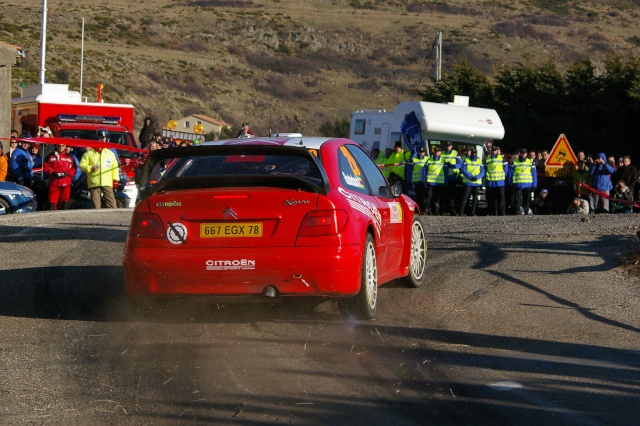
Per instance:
(61,168)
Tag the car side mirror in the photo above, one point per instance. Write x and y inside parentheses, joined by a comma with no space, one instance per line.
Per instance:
(390,192)
(396,189)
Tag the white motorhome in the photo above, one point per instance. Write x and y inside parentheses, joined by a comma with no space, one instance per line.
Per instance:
(456,122)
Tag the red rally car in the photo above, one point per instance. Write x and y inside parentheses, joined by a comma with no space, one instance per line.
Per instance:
(272,217)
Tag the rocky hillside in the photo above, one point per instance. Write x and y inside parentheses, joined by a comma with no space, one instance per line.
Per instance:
(291,65)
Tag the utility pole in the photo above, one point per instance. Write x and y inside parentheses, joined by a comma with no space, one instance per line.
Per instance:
(438,49)
(43,41)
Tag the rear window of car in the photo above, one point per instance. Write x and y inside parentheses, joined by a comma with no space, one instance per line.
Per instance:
(230,165)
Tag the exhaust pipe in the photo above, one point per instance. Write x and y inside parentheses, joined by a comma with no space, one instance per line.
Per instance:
(270,291)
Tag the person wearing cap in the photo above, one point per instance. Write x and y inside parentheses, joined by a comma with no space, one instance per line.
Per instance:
(466,153)
(103,174)
(452,159)
(34,151)
(472,172)
(495,175)
(21,163)
(61,169)
(434,179)
(523,179)
(415,165)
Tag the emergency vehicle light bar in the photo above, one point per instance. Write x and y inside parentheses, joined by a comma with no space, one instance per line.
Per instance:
(75,118)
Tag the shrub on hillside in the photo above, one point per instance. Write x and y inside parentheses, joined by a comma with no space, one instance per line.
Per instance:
(548,20)
(419,7)
(285,64)
(241,4)
(518,29)
(277,86)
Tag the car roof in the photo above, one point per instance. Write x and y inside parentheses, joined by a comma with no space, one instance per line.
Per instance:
(309,142)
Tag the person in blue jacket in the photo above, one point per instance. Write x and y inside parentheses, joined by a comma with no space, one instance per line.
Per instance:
(21,163)
(496,169)
(601,172)
(434,178)
(450,191)
(523,178)
(472,171)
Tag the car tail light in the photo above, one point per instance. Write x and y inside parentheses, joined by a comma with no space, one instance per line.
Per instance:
(323,222)
(146,225)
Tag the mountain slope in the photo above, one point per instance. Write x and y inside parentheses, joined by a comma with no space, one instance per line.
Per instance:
(291,65)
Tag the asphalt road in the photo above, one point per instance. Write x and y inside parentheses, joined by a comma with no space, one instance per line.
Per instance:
(524,320)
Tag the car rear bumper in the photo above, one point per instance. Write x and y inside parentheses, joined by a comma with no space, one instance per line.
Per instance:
(309,271)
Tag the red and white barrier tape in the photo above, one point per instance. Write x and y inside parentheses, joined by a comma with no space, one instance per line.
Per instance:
(608,197)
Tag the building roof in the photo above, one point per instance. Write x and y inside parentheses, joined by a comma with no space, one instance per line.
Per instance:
(210,120)
(10,45)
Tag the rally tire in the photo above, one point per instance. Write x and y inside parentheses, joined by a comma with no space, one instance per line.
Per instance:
(364,304)
(418,257)
(7,207)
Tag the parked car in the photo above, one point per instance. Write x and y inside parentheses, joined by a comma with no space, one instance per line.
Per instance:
(273,217)
(17,198)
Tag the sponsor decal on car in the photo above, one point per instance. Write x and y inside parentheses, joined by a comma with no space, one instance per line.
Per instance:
(169,204)
(295,202)
(396,212)
(176,233)
(364,206)
(230,265)
(355,181)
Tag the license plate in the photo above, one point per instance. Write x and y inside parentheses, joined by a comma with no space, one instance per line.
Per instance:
(228,230)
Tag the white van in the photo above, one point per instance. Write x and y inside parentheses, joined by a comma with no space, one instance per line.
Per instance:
(456,122)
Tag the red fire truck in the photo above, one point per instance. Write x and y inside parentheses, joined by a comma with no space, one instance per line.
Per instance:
(67,116)
(62,110)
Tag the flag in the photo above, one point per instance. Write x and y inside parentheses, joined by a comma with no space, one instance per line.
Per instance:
(412,132)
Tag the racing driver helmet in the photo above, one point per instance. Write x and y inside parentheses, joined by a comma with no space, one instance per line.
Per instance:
(103,133)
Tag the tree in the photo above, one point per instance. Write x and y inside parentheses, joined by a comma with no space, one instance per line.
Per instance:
(528,99)
(464,80)
(338,129)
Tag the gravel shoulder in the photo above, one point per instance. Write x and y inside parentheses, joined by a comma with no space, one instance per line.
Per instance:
(521,316)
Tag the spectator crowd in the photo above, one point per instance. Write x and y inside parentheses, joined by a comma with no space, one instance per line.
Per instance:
(450,181)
